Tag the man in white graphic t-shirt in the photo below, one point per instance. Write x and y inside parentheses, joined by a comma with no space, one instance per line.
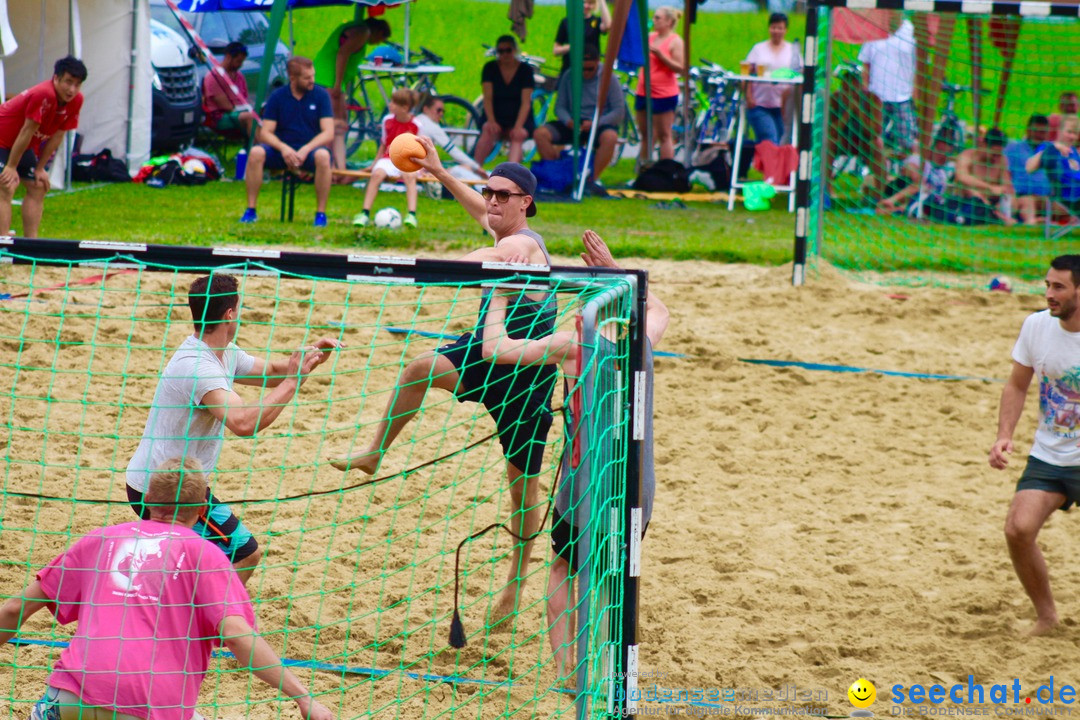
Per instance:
(1048,348)
(194,402)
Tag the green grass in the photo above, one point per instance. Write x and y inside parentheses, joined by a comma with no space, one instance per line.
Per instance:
(208,215)
(456,30)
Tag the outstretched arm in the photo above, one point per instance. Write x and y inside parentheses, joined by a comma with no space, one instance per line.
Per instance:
(254,654)
(246,419)
(270,374)
(500,348)
(15,611)
(657,316)
(468,198)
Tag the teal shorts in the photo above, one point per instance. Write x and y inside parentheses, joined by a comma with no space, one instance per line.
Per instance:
(1039,475)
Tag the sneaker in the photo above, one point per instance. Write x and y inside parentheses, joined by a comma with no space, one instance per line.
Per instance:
(249,216)
(362,219)
(704,179)
(410,220)
(320,219)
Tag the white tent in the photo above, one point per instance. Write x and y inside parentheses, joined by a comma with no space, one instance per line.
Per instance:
(113,38)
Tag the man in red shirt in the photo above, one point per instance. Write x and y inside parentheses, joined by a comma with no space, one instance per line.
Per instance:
(225,109)
(32,125)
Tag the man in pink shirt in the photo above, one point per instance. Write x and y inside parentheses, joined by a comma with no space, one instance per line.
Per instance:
(152,599)
(32,125)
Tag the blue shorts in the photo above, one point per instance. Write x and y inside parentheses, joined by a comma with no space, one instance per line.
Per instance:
(1039,475)
(217,524)
(659,105)
(274,160)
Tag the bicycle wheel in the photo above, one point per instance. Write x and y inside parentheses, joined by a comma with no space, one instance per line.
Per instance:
(361,126)
(461,121)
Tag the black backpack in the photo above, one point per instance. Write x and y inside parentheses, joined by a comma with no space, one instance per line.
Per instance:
(102,167)
(664,176)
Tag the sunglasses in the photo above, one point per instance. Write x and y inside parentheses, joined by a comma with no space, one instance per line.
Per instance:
(505,50)
(440,111)
(502,196)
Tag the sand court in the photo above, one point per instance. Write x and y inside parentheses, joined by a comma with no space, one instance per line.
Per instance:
(810,527)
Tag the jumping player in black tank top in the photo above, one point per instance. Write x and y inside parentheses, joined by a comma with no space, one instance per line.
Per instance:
(519,401)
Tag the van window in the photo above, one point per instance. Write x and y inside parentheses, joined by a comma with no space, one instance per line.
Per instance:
(165,16)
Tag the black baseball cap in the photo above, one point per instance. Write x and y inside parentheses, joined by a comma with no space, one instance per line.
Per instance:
(236,48)
(520,176)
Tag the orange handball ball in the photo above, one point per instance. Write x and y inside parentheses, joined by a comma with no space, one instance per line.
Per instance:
(403,149)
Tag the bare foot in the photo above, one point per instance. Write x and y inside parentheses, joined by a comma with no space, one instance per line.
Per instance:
(1042,627)
(506,606)
(367,462)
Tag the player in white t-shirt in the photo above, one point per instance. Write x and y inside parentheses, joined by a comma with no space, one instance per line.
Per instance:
(194,402)
(1048,348)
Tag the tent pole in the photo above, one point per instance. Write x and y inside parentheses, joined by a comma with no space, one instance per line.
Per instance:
(277,19)
(618,27)
(688,134)
(408,24)
(131,78)
(575,21)
(646,139)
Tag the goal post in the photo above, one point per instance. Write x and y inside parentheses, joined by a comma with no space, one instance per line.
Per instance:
(971,76)
(355,587)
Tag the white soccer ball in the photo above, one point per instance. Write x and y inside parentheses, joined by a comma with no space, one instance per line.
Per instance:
(388,218)
(194,166)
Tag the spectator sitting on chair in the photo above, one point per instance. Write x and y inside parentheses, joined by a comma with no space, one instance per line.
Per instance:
(1068,104)
(1032,188)
(335,70)
(227,111)
(1062,162)
(982,176)
(926,196)
(766,101)
(551,136)
(32,126)
(398,122)
(508,86)
(298,127)
(595,26)
(429,121)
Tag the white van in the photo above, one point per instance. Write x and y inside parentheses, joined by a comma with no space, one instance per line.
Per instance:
(177,106)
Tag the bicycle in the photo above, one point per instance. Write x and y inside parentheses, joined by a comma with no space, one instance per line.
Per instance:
(950,126)
(364,122)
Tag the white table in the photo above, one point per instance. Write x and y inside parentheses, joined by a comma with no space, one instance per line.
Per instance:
(386,71)
(741,131)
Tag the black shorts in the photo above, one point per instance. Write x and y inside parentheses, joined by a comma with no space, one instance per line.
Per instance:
(518,400)
(562,135)
(564,537)
(1039,475)
(275,160)
(26,165)
(216,523)
(659,105)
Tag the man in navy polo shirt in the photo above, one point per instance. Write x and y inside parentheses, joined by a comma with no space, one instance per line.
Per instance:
(298,127)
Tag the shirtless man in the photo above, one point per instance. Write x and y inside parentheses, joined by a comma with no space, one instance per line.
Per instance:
(982,174)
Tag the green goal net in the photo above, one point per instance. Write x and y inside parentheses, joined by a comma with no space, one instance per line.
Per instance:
(924,117)
(356,587)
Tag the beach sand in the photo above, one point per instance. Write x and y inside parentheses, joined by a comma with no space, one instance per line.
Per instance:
(810,527)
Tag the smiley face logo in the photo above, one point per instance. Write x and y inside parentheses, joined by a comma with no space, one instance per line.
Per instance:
(862,693)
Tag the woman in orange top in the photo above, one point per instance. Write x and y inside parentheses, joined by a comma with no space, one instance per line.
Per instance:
(666,60)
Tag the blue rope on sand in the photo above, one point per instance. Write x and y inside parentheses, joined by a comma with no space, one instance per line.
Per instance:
(850,369)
